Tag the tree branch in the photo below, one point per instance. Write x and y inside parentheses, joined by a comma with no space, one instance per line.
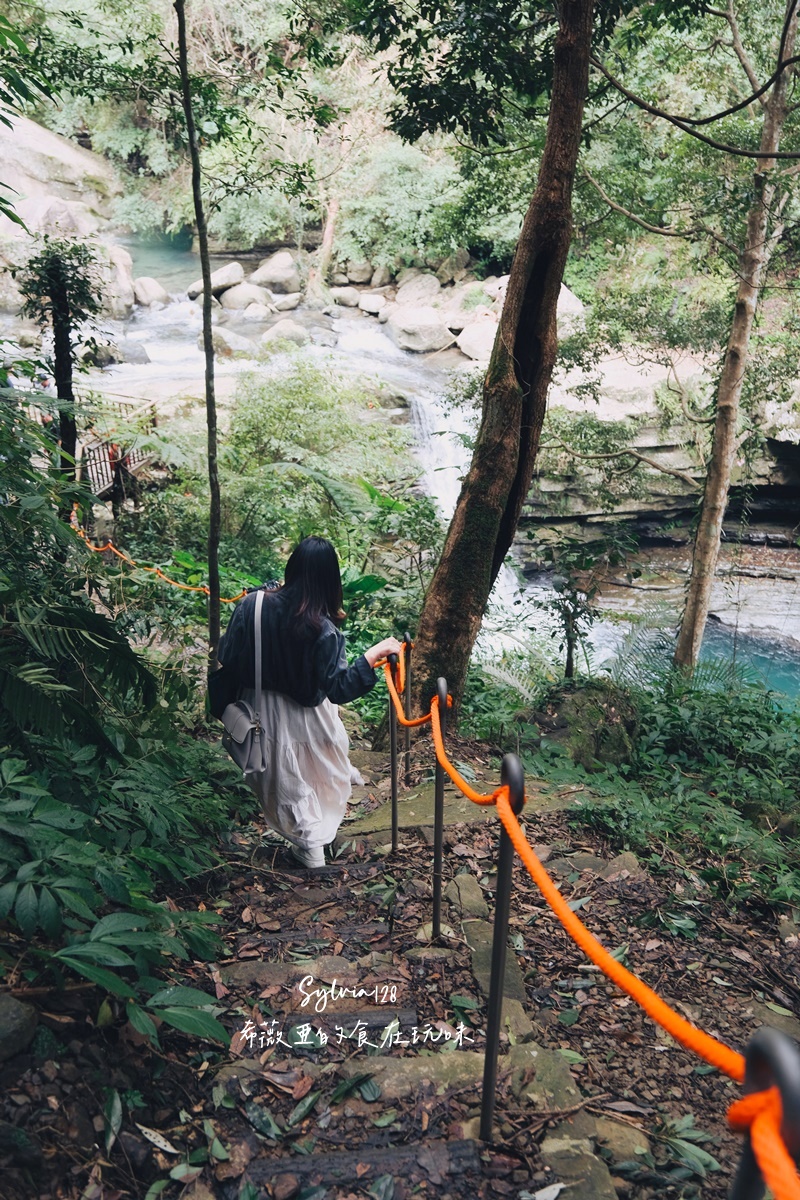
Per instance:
(741,54)
(650,462)
(664,230)
(684,124)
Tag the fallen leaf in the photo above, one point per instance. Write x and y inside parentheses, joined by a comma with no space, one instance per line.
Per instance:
(240,1155)
(362,1169)
(302,1087)
(549,1193)
(157,1139)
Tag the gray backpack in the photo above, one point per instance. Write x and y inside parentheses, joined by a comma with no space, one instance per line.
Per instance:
(243,737)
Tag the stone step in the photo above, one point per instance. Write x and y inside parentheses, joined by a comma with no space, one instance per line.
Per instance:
(415,808)
(429,1161)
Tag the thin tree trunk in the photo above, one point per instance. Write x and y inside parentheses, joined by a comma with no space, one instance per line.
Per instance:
(753,262)
(516,385)
(62,369)
(316,288)
(62,366)
(214,516)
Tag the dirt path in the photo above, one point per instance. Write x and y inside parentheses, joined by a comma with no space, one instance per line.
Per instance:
(380,1097)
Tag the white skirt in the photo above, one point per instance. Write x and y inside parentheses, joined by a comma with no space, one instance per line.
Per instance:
(307,783)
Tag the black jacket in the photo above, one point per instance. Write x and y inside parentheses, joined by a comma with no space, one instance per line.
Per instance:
(305,670)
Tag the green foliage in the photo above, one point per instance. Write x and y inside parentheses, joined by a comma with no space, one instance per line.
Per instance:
(102,802)
(60,283)
(309,451)
(392,213)
(458,68)
(714,775)
(578,567)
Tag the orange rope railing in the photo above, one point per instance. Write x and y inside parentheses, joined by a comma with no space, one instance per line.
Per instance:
(185,587)
(759,1114)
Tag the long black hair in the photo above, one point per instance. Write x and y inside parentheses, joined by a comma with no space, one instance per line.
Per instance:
(313,583)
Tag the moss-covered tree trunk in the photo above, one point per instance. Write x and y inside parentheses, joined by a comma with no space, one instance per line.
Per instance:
(215,510)
(753,262)
(516,385)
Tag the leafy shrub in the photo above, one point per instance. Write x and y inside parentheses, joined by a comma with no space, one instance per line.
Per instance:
(103,802)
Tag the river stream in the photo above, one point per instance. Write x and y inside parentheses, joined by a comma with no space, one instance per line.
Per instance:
(760,625)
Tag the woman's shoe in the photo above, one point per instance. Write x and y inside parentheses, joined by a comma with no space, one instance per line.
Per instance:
(311,857)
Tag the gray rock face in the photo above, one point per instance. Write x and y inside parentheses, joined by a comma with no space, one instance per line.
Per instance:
(286,331)
(406,274)
(421,289)
(287,303)
(570,313)
(419,329)
(258,312)
(454,267)
(380,277)
(477,339)
(359,270)
(17,1026)
(242,294)
(60,186)
(371,302)
(226,277)
(227,343)
(348,297)
(278,272)
(116,281)
(147,291)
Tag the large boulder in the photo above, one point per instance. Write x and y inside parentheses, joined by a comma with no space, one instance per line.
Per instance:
(348,297)
(226,343)
(419,329)
(381,276)
(279,273)
(371,302)
(494,287)
(221,279)
(454,267)
(570,314)
(258,312)
(17,1026)
(115,268)
(406,274)
(147,291)
(242,294)
(477,339)
(59,186)
(286,331)
(100,352)
(359,270)
(420,289)
(287,303)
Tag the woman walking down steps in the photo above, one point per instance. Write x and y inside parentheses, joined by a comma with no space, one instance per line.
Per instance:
(308,778)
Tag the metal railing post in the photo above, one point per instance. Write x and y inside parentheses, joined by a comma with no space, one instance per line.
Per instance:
(407,730)
(393,753)
(513,775)
(438,816)
(771,1060)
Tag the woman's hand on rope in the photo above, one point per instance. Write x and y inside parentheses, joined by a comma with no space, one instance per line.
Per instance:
(380,650)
